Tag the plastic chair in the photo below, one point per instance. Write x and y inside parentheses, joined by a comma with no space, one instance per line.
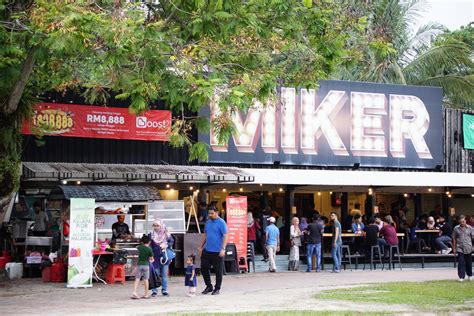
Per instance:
(231,259)
(250,256)
(374,250)
(392,248)
(115,273)
(346,256)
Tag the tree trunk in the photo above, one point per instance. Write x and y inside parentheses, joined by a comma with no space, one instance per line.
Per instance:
(19,87)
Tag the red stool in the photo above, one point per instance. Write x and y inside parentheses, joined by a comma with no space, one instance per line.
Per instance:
(115,273)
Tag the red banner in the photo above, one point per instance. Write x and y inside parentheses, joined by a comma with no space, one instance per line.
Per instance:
(236,209)
(72,120)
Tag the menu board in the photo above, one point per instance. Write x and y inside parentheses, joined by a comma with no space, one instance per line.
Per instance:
(237,223)
(170,212)
(81,243)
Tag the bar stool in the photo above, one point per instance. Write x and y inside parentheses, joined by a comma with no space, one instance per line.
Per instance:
(348,258)
(115,273)
(392,248)
(373,250)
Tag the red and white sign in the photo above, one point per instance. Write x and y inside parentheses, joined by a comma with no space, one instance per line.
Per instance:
(72,120)
(237,224)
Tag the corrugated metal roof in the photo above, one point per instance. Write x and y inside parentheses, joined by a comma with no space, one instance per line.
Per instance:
(136,173)
(119,193)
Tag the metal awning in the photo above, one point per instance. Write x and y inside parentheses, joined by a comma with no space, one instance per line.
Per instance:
(119,193)
(54,171)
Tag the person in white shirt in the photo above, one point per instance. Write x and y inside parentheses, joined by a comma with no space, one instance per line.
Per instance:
(41,219)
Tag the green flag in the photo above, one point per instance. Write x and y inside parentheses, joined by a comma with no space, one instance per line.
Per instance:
(468,130)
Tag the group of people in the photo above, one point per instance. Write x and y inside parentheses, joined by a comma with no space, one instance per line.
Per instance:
(378,231)
(211,251)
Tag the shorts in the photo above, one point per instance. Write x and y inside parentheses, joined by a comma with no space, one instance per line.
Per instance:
(142,271)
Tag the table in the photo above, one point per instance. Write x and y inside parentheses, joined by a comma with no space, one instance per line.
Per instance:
(430,233)
(97,254)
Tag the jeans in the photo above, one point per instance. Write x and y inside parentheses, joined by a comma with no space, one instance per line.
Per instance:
(213,259)
(311,250)
(271,250)
(336,256)
(442,241)
(163,270)
(384,246)
(464,265)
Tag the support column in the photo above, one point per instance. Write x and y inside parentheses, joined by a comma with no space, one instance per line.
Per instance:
(370,202)
(418,204)
(446,204)
(344,205)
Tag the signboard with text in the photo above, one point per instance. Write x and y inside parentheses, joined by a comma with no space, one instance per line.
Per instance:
(468,130)
(72,120)
(81,243)
(340,124)
(236,209)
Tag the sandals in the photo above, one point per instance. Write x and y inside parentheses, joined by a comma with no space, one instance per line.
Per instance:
(135,297)
(146,297)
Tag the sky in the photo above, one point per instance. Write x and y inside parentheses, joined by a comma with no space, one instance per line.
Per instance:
(450,13)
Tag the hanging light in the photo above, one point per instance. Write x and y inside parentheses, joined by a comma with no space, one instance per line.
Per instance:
(167,186)
(280,189)
(319,193)
(64,182)
(330,192)
(78,182)
(191,188)
(241,189)
(224,190)
(405,194)
(370,191)
(430,189)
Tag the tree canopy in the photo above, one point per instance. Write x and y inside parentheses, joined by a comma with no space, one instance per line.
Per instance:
(181,51)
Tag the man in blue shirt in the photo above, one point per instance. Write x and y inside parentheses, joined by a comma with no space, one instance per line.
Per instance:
(272,237)
(212,251)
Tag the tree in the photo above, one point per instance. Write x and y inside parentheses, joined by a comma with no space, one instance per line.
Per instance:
(396,54)
(180,51)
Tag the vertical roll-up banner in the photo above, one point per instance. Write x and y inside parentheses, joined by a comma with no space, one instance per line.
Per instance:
(237,223)
(81,243)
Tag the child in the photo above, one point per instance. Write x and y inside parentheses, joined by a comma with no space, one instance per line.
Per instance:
(145,256)
(190,278)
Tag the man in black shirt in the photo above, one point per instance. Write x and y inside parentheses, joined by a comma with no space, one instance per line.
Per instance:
(314,236)
(371,235)
(445,235)
(120,229)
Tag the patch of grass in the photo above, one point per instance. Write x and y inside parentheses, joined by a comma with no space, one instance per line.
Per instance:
(443,295)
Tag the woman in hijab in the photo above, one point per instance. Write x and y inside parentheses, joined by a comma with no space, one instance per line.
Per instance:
(295,238)
(160,240)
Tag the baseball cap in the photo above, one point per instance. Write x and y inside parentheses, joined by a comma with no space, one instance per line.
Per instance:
(272,219)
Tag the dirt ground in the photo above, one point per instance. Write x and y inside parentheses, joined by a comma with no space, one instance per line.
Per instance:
(239,293)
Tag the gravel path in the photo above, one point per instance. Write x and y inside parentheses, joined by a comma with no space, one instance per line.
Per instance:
(240,293)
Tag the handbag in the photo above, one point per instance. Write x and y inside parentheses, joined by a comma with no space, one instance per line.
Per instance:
(167,256)
(154,281)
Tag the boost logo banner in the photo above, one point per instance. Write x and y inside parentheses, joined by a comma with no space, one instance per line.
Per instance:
(73,120)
